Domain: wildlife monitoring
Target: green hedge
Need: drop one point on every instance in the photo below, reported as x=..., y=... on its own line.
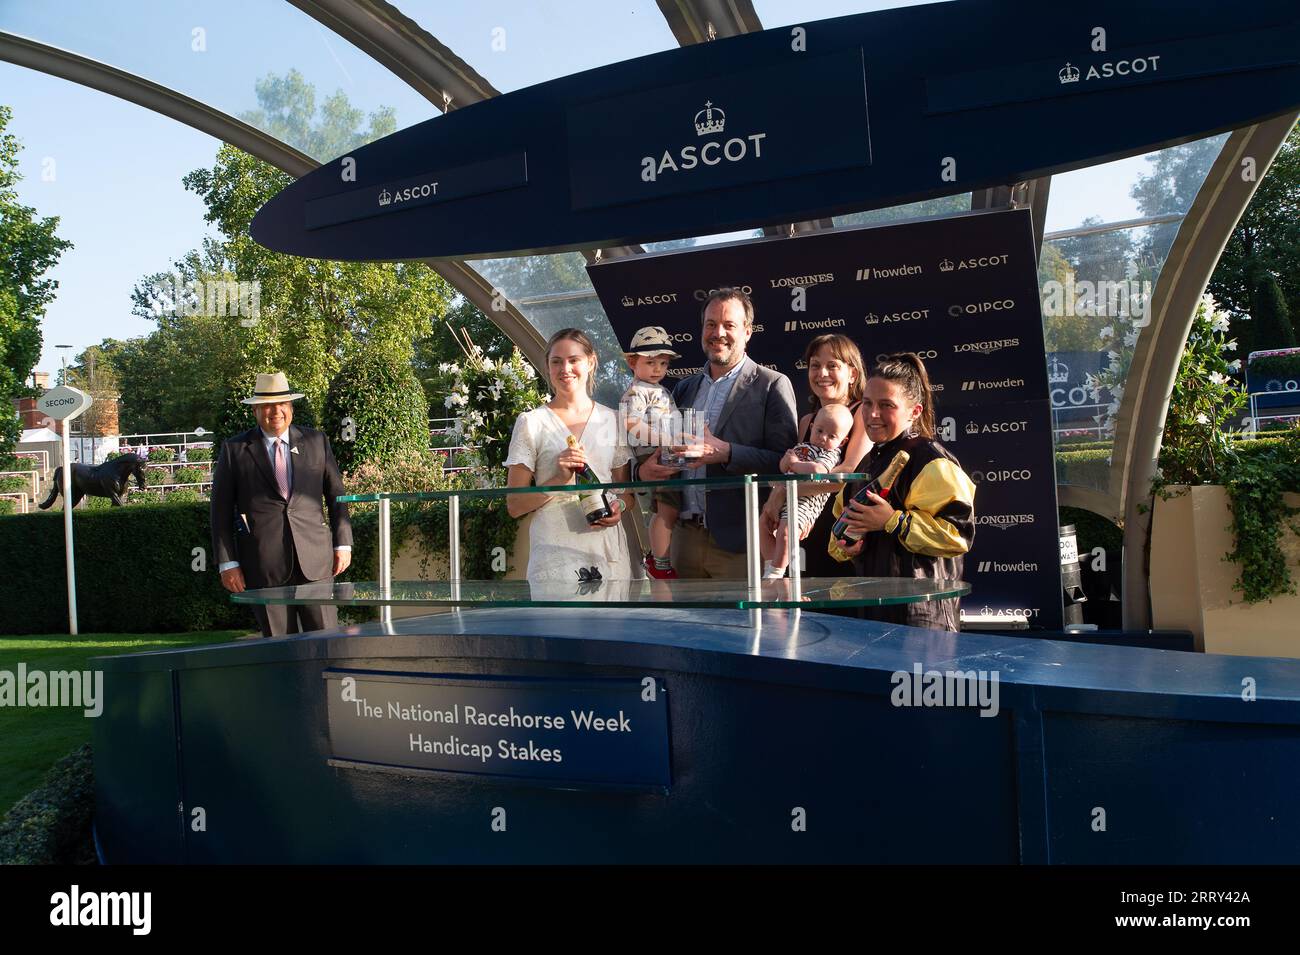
x=52, y=825
x=134, y=572
x=134, y=564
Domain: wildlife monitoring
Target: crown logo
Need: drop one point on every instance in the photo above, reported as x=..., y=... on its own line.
x=946, y=266
x=972, y=428
x=628, y=301
x=709, y=120
x=1058, y=372
x=801, y=364
x=1069, y=74
x=385, y=198
x=872, y=319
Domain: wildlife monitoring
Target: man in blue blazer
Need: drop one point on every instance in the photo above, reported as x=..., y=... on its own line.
x=749, y=411
x=268, y=525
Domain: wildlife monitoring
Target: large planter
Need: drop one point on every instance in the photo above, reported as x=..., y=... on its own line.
x=1192, y=583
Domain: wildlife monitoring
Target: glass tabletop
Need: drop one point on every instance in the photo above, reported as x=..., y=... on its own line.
x=817, y=592
x=713, y=483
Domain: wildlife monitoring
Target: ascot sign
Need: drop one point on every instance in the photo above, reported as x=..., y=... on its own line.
x=63, y=403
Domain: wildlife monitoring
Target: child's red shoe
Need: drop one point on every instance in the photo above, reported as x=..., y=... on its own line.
x=655, y=572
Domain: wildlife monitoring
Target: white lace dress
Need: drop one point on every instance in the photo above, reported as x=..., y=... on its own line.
x=560, y=539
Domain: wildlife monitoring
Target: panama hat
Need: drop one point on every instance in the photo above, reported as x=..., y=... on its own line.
x=271, y=389
x=650, y=341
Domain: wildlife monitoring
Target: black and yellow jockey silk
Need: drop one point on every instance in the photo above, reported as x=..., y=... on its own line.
x=932, y=528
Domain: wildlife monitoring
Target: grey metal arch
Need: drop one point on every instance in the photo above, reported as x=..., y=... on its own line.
x=135, y=89
x=1205, y=230
x=408, y=50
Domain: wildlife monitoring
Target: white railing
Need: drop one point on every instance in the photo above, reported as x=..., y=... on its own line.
x=33, y=474
x=1077, y=427
x=42, y=456
x=164, y=488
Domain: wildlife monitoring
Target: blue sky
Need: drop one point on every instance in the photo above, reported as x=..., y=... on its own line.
x=112, y=171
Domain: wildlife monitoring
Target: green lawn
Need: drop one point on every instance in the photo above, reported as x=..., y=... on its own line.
x=33, y=739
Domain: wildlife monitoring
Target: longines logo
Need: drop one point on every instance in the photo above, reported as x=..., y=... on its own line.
x=975, y=262
x=629, y=301
x=1139, y=64
x=709, y=121
x=1003, y=521
x=979, y=385
x=422, y=191
x=891, y=273
x=797, y=325
x=803, y=281
x=701, y=294
x=1020, y=567
x=680, y=372
x=977, y=308
x=997, y=477
x=986, y=347
x=996, y=427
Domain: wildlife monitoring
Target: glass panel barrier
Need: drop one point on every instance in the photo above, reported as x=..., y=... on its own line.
x=817, y=593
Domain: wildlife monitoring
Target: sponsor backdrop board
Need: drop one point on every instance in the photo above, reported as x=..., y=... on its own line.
x=962, y=291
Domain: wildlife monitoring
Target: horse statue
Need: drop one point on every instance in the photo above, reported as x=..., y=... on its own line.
x=105, y=480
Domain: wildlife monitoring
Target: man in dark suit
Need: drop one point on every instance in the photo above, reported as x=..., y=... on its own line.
x=748, y=414
x=268, y=529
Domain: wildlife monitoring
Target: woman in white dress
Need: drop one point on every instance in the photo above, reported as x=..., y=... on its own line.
x=561, y=542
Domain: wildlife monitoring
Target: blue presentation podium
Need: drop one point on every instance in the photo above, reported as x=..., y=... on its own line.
x=811, y=738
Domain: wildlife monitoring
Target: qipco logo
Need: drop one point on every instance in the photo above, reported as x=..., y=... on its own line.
x=679, y=337
x=997, y=477
x=701, y=294
x=927, y=355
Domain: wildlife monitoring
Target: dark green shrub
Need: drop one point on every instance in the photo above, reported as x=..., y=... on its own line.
x=15, y=485
x=375, y=409
x=135, y=572
x=189, y=476
x=1270, y=318
x=196, y=455
x=51, y=825
x=8, y=506
x=162, y=455
x=154, y=477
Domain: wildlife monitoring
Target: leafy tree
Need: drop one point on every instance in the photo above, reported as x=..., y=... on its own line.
x=311, y=316
x=29, y=248
x=1267, y=236
x=1176, y=175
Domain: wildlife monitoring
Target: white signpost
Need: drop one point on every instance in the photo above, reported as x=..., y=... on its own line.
x=63, y=404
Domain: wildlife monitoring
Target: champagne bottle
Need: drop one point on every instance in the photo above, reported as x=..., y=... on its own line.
x=596, y=505
x=878, y=485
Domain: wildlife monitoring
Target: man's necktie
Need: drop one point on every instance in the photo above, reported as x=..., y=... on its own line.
x=281, y=468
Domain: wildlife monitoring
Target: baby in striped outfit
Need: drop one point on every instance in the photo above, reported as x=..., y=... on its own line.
x=825, y=447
